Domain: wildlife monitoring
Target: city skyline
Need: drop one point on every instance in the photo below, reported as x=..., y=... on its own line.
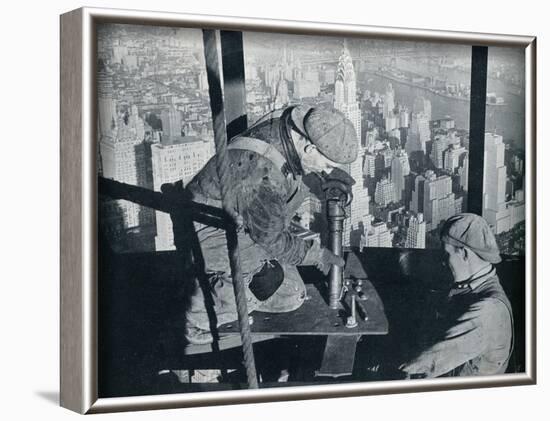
x=412, y=171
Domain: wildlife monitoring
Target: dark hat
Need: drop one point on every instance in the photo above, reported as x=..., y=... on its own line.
x=329, y=130
x=472, y=231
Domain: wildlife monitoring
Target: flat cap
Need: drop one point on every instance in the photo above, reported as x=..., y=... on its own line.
x=329, y=130
x=472, y=231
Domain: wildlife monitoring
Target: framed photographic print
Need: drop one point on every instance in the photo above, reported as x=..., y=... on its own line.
x=257, y=210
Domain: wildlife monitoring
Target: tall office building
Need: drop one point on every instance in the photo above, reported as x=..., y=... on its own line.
x=345, y=100
x=387, y=154
x=369, y=165
x=424, y=106
x=494, y=172
x=433, y=197
x=384, y=193
x=377, y=234
x=400, y=168
x=175, y=158
x=391, y=122
x=106, y=104
x=389, y=102
x=438, y=147
x=171, y=122
x=499, y=213
x=463, y=172
x=345, y=95
x=453, y=157
x=419, y=133
x=404, y=119
x=416, y=232
x=124, y=159
x=370, y=139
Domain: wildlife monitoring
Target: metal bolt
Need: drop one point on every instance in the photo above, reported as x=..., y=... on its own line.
x=352, y=319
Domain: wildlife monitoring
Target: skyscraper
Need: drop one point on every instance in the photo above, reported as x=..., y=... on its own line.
x=345, y=100
x=453, y=157
x=345, y=95
x=377, y=234
x=424, y=106
x=369, y=165
x=433, y=197
x=403, y=116
x=438, y=147
x=171, y=122
x=463, y=172
x=501, y=215
x=416, y=232
x=400, y=168
x=384, y=193
x=494, y=173
x=106, y=104
x=124, y=159
x=370, y=139
x=175, y=158
x=419, y=133
x=391, y=122
x=389, y=102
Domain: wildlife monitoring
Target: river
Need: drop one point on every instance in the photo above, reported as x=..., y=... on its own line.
x=507, y=120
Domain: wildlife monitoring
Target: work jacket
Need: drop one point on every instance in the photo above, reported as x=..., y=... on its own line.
x=261, y=189
x=474, y=336
x=266, y=194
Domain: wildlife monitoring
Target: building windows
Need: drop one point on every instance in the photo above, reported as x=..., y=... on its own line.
x=410, y=103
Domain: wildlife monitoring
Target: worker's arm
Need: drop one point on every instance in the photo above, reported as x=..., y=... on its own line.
x=465, y=338
x=263, y=209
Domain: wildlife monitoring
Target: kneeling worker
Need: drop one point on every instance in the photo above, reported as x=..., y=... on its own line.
x=475, y=335
x=266, y=166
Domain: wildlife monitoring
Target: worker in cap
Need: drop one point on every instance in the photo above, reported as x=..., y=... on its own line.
x=474, y=335
x=329, y=130
x=267, y=166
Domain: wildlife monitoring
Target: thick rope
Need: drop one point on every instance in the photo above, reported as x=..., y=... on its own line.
x=222, y=167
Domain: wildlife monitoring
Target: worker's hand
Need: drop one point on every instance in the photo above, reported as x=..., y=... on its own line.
x=327, y=259
x=338, y=181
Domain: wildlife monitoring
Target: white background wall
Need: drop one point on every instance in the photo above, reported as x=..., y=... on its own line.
x=29, y=208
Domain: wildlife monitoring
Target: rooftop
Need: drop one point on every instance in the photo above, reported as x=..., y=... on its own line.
x=178, y=140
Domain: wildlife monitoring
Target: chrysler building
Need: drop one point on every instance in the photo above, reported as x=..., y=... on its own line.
x=345, y=100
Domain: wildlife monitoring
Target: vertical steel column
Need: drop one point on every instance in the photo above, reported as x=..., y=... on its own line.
x=234, y=82
x=478, y=98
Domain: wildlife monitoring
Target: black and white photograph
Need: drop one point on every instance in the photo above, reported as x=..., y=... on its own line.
x=254, y=210
x=282, y=210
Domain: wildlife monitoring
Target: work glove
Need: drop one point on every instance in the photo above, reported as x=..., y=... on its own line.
x=338, y=179
x=338, y=174
x=327, y=259
x=321, y=257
